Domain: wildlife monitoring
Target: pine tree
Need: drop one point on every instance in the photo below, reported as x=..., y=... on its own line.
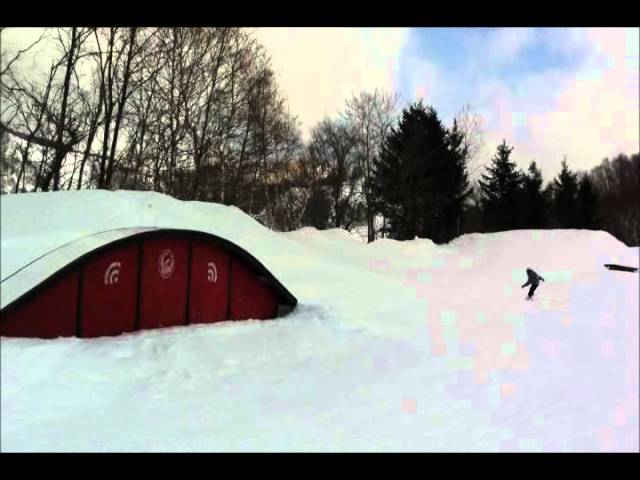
x=385, y=182
x=501, y=187
x=535, y=202
x=588, y=204
x=419, y=177
x=565, y=187
x=456, y=183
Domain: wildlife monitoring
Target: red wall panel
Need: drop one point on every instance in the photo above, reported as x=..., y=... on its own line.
x=208, y=300
x=51, y=313
x=109, y=292
x=251, y=296
x=152, y=282
x=163, y=289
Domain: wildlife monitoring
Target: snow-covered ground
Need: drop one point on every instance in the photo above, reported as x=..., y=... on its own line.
x=394, y=346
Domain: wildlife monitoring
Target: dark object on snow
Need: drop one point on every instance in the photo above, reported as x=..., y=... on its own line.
x=533, y=279
x=622, y=268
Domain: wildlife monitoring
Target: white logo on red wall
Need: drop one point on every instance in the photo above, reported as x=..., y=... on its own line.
x=212, y=272
x=112, y=273
x=166, y=264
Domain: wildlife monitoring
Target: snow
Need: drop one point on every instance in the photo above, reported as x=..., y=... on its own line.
x=394, y=346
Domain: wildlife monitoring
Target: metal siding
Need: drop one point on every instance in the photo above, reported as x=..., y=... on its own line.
x=209, y=274
x=251, y=296
x=208, y=282
x=49, y=314
x=109, y=292
x=163, y=300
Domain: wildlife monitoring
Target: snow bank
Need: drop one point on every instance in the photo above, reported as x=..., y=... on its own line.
x=394, y=346
x=36, y=223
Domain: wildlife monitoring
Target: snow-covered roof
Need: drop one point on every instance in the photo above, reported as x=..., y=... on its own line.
x=43, y=232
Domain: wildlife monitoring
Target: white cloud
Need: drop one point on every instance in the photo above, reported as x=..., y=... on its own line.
x=426, y=81
x=566, y=41
x=588, y=113
x=595, y=111
x=505, y=44
x=319, y=68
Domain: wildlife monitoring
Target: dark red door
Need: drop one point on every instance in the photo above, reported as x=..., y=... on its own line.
x=208, y=299
x=109, y=292
x=51, y=313
x=251, y=296
x=163, y=292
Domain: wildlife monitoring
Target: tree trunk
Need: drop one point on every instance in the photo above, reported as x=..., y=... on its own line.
x=108, y=101
x=93, y=129
x=61, y=149
x=371, y=233
x=121, y=103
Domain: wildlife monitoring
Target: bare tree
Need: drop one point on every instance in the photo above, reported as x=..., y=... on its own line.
x=30, y=105
x=64, y=124
x=9, y=164
x=8, y=60
x=193, y=112
x=122, y=56
x=140, y=122
x=471, y=126
x=94, y=107
x=370, y=116
x=332, y=145
x=49, y=116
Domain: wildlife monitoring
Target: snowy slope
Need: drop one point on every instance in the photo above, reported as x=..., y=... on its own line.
x=394, y=346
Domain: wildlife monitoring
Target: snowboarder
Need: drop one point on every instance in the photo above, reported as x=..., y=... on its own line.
x=533, y=279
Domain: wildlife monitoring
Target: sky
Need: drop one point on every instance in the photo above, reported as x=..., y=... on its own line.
x=549, y=92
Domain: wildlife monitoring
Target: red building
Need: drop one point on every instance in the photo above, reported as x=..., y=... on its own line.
x=150, y=279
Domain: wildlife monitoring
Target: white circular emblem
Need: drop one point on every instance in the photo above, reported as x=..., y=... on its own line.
x=166, y=264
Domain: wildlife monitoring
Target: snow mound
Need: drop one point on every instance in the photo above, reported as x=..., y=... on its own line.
x=394, y=346
x=34, y=224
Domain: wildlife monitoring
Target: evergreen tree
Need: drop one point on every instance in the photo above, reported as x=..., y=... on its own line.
x=588, y=204
x=318, y=210
x=565, y=188
x=535, y=201
x=457, y=188
x=420, y=179
x=501, y=188
x=385, y=182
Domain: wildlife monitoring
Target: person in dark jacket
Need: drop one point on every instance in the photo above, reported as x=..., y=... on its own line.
x=533, y=279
